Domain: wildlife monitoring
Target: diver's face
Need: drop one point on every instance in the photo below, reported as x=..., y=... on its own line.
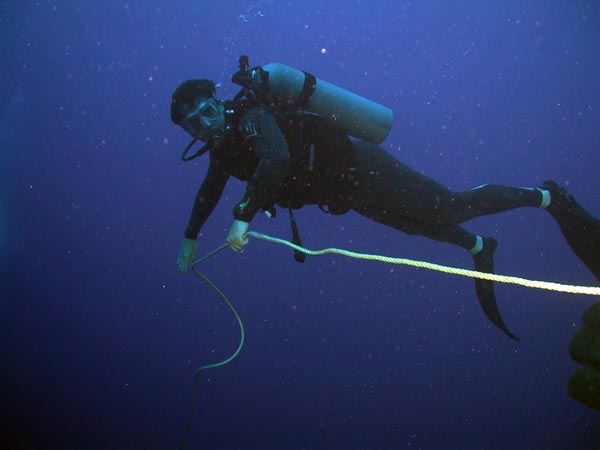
x=205, y=119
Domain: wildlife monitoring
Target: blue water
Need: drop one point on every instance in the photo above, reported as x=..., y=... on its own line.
x=100, y=333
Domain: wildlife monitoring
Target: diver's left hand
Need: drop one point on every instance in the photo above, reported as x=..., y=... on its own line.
x=237, y=235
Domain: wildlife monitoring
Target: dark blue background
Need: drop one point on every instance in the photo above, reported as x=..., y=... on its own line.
x=101, y=335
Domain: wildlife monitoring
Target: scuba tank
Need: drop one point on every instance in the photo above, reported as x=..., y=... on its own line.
x=286, y=88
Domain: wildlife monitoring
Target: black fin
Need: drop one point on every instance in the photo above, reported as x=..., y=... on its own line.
x=484, y=262
x=580, y=229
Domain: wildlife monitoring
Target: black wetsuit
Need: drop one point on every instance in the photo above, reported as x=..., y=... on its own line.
x=297, y=160
x=391, y=193
x=300, y=160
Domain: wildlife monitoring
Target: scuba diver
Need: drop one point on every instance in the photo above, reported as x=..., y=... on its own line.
x=291, y=158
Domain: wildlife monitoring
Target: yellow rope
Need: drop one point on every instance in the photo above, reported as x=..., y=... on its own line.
x=588, y=290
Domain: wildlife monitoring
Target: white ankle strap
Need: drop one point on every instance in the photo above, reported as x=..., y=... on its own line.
x=478, y=245
x=545, y=198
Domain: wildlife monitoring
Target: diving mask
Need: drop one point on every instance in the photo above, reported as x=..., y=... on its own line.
x=205, y=120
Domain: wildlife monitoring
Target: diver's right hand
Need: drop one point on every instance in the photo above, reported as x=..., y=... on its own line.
x=187, y=254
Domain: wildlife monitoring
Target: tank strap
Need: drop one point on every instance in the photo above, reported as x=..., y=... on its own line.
x=298, y=255
x=308, y=89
